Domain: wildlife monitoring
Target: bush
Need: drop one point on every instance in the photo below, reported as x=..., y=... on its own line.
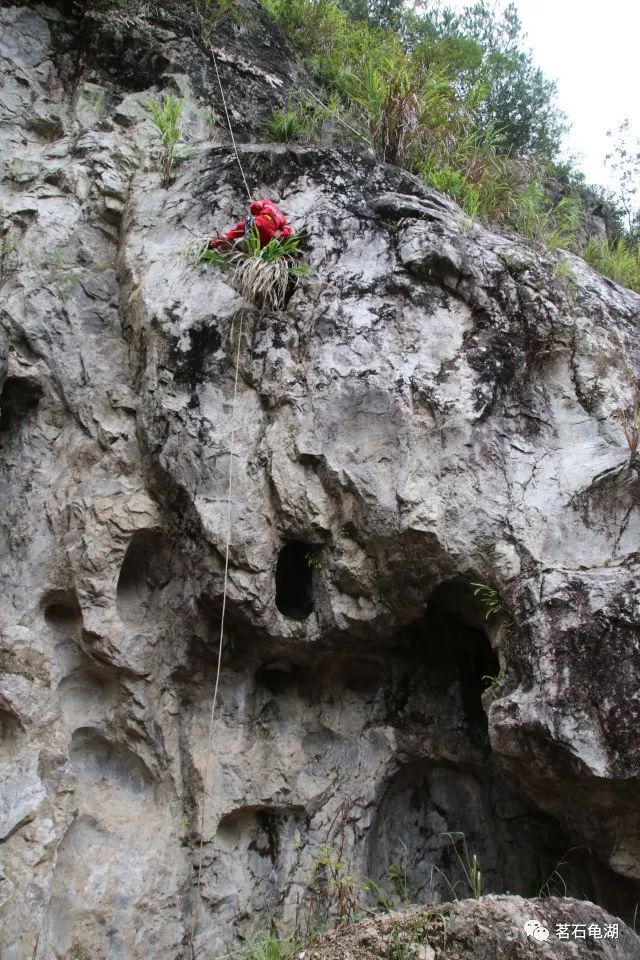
x=420, y=101
x=209, y=14
x=455, y=98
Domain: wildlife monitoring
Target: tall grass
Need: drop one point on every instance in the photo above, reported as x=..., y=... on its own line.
x=165, y=117
x=267, y=947
x=619, y=260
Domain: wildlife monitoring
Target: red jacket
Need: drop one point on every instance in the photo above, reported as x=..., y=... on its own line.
x=268, y=221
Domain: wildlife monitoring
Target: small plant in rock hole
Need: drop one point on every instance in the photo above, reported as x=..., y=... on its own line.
x=496, y=679
x=493, y=605
x=314, y=560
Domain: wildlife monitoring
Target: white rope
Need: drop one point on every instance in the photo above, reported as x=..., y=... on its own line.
x=226, y=111
x=221, y=638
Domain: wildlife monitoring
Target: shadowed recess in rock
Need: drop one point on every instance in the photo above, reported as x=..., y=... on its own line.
x=294, y=580
x=18, y=398
x=10, y=733
x=62, y=612
x=100, y=760
x=255, y=847
x=434, y=818
x=146, y=568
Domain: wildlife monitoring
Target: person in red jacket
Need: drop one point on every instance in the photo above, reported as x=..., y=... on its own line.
x=265, y=217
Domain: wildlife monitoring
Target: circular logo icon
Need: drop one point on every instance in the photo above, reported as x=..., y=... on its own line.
x=533, y=928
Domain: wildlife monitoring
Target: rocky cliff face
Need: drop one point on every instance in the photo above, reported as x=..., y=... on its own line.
x=434, y=409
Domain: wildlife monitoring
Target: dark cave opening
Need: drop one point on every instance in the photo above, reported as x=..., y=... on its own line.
x=19, y=397
x=294, y=580
x=456, y=619
x=62, y=611
x=436, y=816
x=146, y=568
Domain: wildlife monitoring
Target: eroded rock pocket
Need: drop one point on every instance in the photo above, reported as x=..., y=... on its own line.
x=294, y=580
x=146, y=569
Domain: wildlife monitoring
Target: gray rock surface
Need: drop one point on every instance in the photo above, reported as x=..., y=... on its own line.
x=435, y=408
x=496, y=928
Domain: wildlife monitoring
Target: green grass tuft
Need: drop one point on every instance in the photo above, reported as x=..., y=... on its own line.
x=165, y=117
x=620, y=260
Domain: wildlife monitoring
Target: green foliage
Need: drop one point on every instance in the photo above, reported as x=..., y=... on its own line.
x=470, y=867
x=267, y=947
x=95, y=99
x=209, y=14
x=165, y=116
x=314, y=560
x=487, y=46
x=421, y=94
x=301, y=123
x=492, y=602
x=456, y=98
x=564, y=272
x=619, y=260
x=211, y=121
x=497, y=679
x=398, y=878
x=534, y=216
x=378, y=13
x=336, y=885
x=401, y=947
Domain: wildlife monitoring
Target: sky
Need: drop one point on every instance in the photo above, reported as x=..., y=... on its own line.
x=590, y=48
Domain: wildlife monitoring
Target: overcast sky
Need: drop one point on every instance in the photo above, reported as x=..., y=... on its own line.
x=591, y=49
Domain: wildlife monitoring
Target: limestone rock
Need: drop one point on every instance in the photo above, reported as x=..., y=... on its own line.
x=431, y=648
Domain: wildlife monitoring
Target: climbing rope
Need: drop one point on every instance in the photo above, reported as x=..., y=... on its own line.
x=230, y=128
x=221, y=638
x=214, y=700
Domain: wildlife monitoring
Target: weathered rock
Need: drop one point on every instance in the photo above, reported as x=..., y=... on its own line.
x=495, y=928
x=433, y=409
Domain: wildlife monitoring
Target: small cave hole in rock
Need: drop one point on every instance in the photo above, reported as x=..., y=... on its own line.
x=19, y=397
x=62, y=612
x=279, y=676
x=463, y=649
x=10, y=733
x=146, y=568
x=294, y=580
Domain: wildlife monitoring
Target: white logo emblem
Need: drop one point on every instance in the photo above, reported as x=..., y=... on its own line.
x=534, y=929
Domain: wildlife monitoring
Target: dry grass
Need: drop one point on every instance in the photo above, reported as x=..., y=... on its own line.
x=262, y=282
